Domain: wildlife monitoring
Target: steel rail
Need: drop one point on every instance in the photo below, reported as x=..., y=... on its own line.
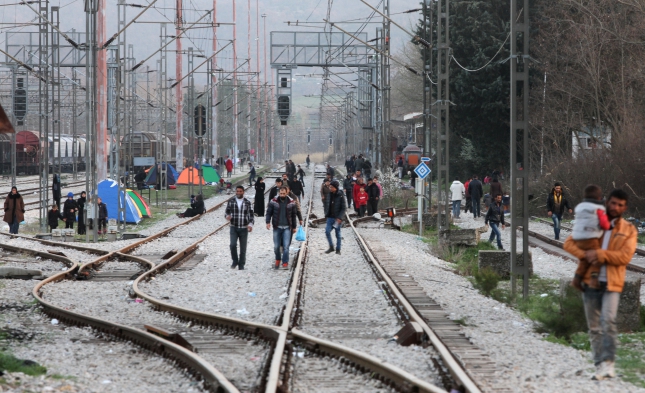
x=455, y=368
x=213, y=379
x=559, y=244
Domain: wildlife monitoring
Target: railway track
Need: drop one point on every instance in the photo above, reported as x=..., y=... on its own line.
x=552, y=246
x=179, y=331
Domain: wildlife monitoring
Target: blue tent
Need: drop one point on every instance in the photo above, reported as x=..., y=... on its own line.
x=152, y=175
x=108, y=191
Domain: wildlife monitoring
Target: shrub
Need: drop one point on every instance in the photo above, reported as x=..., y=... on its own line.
x=560, y=315
x=486, y=280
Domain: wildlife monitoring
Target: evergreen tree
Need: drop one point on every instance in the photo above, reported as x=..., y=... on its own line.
x=479, y=120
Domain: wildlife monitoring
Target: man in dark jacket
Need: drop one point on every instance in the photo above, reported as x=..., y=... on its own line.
x=495, y=216
x=495, y=188
x=373, y=194
x=335, y=215
x=239, y=212
x=556, y=203
x=475, y=190
x=281, y=213
x=367, y=168
x=56, y=191
x=358, y=164
x=273, y=192
x=347, y=186
x=324, y=195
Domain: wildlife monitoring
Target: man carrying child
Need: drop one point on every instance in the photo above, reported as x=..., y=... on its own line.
x=615, y=249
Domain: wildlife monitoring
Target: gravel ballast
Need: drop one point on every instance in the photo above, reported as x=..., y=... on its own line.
x=526, y=362
x=255, y=294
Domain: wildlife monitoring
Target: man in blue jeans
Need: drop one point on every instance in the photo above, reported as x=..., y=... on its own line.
x=335, y=214
x=556, y=203
x=282, y=213
x=495, y=216
x=239, y=213
x=476, y=192
x=618, y=245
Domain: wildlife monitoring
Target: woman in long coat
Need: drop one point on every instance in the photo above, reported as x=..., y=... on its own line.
x=14, y=210
x=258, y=206
x=81, y=214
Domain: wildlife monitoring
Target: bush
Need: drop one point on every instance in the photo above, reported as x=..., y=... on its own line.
x=486, y=280
x=10, y=363
x=560, y=315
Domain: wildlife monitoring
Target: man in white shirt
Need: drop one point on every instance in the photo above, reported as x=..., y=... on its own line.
x=457, y=190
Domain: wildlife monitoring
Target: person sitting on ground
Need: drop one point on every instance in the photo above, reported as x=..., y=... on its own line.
x=53, y=216
x=361, y=201
x=196, y=208
x=589, y=226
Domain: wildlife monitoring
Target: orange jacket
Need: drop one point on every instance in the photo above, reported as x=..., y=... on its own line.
x=616, y=257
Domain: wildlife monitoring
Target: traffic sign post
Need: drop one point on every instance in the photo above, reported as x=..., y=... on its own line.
x=422, y=171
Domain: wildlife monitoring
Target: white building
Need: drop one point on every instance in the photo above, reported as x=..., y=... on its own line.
x=589, y=139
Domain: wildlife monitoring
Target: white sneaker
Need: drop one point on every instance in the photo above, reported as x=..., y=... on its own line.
x=599, y=375
x=609, y=371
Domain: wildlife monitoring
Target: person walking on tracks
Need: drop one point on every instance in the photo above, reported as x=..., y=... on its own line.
x=374, y=194
x=239, y=213
x=258, y=202
x=281, y=213
x=476, y=192
x=273, y=192
x=457, y=190
x=324, y=194
x=252, y=173
x=618, y=245
x=308, y=160
x=495, y=216
x=69, y=210
x=14, y=210
x=556, y=203
x=335, y=214
x=229, y=166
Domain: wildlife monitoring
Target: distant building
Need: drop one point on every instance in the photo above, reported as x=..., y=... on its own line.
x=589, y=139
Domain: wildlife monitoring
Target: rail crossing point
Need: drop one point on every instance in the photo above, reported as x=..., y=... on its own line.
x=422, y=170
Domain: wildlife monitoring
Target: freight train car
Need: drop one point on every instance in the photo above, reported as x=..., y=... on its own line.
x=64, y=153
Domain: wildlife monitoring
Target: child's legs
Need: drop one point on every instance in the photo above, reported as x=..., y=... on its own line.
x=583, y=265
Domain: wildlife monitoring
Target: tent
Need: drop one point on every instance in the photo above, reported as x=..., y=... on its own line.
x=143, y=207
x=210, y=174
x=189, y=175
x=152, y=175
x=108, y=191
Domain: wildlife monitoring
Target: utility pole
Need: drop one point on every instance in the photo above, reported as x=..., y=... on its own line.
x=43, y=110
x=427, y=88
x=179, y=156
x=191, y=121
x=443, y=113
x=93, y=153
x=520, y=142
x=257, y=60
x=101, y=90
x=213, y=107
x=383, y=138
x=267, y=140
x=248, y=84
x=235, y=87
x=162, y=165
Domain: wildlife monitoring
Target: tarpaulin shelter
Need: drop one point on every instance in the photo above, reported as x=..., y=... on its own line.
x=143, y=207
x=210, y=174
x=152, y=175
x=109, y=191
x=188, y=176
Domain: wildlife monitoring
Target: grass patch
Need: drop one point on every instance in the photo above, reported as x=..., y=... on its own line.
x=10, y=363
x=630, y=358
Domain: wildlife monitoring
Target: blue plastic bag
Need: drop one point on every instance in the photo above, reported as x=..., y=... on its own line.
x=300, y=234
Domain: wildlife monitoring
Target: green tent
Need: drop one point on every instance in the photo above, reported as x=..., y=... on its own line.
x=210, y=174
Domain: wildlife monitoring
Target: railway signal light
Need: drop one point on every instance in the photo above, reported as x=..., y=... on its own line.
x=200, y=120
x=20, y=101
